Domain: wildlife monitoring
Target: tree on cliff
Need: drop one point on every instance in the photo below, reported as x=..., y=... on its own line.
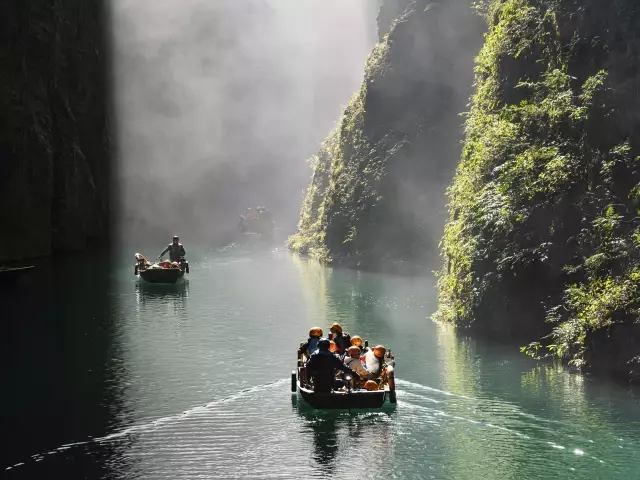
x=376, y=191
x=543, y=236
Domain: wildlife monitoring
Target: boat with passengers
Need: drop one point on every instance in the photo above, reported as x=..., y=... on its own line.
x=256, y=221
x=371, y=391
x=160, y=272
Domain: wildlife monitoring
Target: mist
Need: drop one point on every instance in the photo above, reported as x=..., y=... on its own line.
x=219, y=103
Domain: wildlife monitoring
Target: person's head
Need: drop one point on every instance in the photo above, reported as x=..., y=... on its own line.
x=315, y=332
x=332, y=346
x=323, y=344
x=379, y=351
x=353, y=351
x=336, y=329
x=356, y=341
x=176, y=239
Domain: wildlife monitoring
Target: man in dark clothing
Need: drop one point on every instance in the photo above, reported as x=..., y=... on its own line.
x=322, y=366
x=175, y=249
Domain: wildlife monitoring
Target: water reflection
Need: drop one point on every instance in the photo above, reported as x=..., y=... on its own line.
x=193, y=382
x=145, y=290
x=347, y=441
x=366, y=304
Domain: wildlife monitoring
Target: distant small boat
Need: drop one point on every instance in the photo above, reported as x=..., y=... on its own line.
x=12, y=274
x=161, y=272
x=257, y=221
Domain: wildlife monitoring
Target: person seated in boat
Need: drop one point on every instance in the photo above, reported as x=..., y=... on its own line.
x=374, y=360
x=315, y=334
x=356, y=341
x=175, y=249
x=343, y=340
x=352, y=360
x=322, y=366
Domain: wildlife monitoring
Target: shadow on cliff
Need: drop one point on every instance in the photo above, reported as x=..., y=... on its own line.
x=56, y=139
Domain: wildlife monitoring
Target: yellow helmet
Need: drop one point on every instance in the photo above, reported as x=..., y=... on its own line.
x=371, y=385
x=379, y=351
x=315, y=332
x=356, y=340
x=332, y=346
x=353, y=351
x=337, y=327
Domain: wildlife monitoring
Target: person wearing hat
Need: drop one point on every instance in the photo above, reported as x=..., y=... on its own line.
x=343, y=340
x=311, y=345
x=374, y=360
x=352, y=360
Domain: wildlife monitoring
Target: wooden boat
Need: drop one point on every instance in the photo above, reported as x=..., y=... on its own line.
x=257, y=221
x=160, y=272
x=346, y=398
x=9, y=275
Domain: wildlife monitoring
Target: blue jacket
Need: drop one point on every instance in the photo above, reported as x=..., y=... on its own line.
x=309, y=347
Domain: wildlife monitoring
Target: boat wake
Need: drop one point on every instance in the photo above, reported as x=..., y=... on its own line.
x=156, y=424
x=445, y=409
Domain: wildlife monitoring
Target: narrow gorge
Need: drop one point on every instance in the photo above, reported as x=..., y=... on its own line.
x=542, y=237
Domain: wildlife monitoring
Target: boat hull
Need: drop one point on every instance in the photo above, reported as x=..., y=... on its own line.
x=361, y=399
x=10, y=275
x=161, y=275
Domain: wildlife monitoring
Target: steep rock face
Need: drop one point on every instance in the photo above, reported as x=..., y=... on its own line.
x=388, y=12
x=543, y=235
x=375, y=194
x=54, y=132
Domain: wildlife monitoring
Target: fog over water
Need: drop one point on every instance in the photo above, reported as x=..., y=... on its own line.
x=219, y=103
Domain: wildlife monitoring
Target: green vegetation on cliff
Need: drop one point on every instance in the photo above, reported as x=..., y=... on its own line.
x=376, y=191
x=544, y=231
x=54, y=131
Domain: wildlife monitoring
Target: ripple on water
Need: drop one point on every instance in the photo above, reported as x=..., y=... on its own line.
x=195, y=389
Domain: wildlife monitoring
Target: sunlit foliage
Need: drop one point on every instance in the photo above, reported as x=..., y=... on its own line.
x=543, y=226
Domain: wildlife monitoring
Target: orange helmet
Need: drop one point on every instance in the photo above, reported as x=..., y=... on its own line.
x=379, y=351
x=356, y=340
x=315, y=332
x=332, y=346
x=371, y=385
x=337, y=327
x=354, y=351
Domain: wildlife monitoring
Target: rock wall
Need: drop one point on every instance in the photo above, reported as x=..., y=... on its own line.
x=543, y=236
x=376, y=195
x=55, y=153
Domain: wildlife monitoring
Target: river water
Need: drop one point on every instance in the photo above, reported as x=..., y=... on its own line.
x=104, y=377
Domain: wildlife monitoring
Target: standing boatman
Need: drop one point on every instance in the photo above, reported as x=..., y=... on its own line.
x=175, y=249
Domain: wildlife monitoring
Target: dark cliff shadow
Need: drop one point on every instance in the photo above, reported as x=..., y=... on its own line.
x=58, y=383
x=56, y=144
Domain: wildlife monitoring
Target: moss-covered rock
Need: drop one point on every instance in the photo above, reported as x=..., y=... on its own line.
x=542, y=239
x=54, y=132
x=376, y=193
